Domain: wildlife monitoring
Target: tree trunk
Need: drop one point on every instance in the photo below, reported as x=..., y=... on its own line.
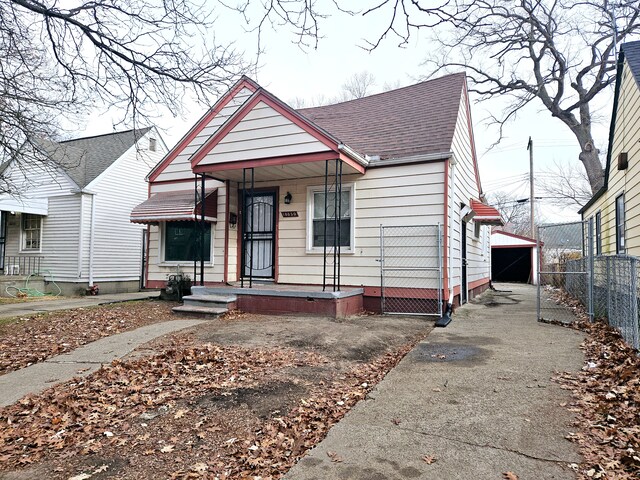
x=589, y=155
x=590, y=158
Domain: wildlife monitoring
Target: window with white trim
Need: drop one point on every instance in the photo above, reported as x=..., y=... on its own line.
x=598, y=233
x=620, y=229
x=31, y=231
x=341, y=229
x=181, y=241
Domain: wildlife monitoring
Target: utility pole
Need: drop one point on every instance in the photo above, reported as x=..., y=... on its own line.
x=531, y=197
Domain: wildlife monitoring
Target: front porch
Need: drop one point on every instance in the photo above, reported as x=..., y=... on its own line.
x=276, y=299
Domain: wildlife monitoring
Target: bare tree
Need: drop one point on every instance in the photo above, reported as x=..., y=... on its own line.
x=558, y=53
x=514, y=211
x=61, y=60
x=564, y=185
x=359, y=85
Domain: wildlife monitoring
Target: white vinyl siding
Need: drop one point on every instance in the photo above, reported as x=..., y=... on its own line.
x=117, y=243
x=263, y=133
x=466, y=187
x=180, y=167
x=395, y=196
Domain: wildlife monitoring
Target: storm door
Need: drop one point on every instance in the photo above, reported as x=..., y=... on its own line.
x=259, y=234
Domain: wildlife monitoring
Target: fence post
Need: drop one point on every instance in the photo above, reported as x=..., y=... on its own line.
x=608, y=284
x=382, y=268
x=590, y=271
x=539, y=267
x=440, y=272
x=633, y=297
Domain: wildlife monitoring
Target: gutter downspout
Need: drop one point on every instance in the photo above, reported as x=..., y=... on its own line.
x=92, y=237
x=81, y=234
x=446, y=317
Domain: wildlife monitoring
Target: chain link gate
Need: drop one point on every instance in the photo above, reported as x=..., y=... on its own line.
x=565, y=253
x=411, y=269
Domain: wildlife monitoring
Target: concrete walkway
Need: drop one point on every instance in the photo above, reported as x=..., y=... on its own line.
x=81, y=361
x=476, y=396
x=41, y=306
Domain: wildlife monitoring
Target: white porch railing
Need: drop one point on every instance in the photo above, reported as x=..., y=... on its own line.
x=21, y=265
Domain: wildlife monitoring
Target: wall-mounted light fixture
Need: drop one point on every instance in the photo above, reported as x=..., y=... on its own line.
x=233, y=219
x=288, y=198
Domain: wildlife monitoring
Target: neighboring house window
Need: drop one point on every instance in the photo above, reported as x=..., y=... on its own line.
x=31, y=231
x=181, y=242
x=598, y=234
x=620, y=224
x=316, y=218
x=476, y=229
x=152, y=144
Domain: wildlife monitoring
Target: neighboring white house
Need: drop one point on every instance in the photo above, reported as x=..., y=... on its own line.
x=70, y=216
x=403, y=158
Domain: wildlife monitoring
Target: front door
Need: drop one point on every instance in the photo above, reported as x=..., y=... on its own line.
x=259, y=235
x=463, y=280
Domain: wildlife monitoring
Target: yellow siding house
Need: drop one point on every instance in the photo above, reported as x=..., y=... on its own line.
x=615, y=208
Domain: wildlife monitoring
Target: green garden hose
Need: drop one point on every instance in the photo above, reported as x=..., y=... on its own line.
x=33, y=292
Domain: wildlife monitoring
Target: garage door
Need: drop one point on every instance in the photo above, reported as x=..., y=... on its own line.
x=511, y=264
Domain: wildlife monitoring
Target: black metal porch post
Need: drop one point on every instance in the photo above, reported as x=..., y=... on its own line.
x=243, y=242
x=324, y=265
x=339, y=214
x=251, y=231
x=203, y=197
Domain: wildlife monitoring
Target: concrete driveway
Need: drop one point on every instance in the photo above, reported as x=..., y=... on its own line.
x=473, y=401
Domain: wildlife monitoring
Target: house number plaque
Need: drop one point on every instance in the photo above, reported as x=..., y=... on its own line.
x=289, y=214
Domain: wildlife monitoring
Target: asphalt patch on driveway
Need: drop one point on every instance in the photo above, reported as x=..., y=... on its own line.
x=447, y=352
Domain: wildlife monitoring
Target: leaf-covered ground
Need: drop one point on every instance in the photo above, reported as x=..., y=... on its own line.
x=36, y=338
x=606, y=401
x=195, y=409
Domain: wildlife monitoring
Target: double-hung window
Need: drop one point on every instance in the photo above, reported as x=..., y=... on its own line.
x=182, y=241
x=620, y=244
x=31, y=232
x=598, y=233
x=335, y=218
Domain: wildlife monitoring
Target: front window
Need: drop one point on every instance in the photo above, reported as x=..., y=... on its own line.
x=31, y=231
x=338, y=228
x=598, y=234
x=182, y=241
x=620, y=245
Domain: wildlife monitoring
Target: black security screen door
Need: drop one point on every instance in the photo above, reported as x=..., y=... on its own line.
x=259, y=235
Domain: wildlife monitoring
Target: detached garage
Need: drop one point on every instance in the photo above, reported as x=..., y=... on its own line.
x=514, y=258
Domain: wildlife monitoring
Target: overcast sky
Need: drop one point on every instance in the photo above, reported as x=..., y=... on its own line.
x=289, y=72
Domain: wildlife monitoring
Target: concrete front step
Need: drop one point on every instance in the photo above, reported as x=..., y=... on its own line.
x=199, y=312
x=213, y=301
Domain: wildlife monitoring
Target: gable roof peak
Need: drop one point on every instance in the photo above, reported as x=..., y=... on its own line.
x=84, y=159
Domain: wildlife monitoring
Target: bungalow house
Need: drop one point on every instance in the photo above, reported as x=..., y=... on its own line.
x=615, y=208
x=374, y=202
x=68, y=211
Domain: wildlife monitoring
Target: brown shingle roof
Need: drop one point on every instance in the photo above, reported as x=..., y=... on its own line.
x=415, y=120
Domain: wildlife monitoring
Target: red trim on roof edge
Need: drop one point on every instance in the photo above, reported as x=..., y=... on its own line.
x=521, y=237
x=271, y=161
x=244, y=82
x=472, y=139
x=283, y=109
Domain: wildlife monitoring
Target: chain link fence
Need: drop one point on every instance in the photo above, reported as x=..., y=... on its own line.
x=411, y=269
x=571, y=275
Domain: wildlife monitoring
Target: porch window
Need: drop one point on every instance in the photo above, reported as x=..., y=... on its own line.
x=317, y=215
x=181, y=241
x=620, y=224
x=31, y=231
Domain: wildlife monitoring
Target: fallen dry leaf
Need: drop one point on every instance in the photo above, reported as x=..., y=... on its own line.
x=509, y=476
x=429, y=459
x=167, y=448
x=334, y=457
